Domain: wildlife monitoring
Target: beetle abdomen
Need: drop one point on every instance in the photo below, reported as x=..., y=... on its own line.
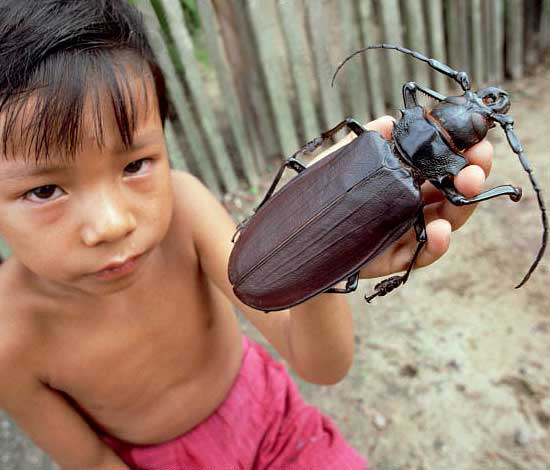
x=309, y=234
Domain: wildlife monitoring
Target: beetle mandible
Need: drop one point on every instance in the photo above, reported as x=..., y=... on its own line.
x=344, y=210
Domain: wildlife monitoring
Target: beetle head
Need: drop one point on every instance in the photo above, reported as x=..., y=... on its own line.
x=495, y=99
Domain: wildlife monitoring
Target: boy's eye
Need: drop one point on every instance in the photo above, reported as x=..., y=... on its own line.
x=44, y=193
x=139, y=166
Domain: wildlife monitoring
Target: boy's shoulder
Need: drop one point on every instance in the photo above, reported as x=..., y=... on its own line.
x=17, y=330
x=187, y=188
x=192, y=200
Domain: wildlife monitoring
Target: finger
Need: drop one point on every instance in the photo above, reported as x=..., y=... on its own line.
x=481, y=155
x=383, y=126
x=438, y=233
x=439, y=237
x=470, y=183
x=399, y=256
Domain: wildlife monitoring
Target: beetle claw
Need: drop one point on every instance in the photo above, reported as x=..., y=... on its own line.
x=385, y=287
x=239, y=228
x=516, y=197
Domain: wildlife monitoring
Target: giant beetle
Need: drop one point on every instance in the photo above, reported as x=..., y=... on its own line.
x=344, y=210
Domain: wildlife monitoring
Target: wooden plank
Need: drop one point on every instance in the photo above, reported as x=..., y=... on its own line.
x=374, y=80
x=392, y=30
x=174, y=150
x=300, y=61
x=177, y=96
x=264, y=27
x=531, y=26
x=229, y=94
x=353, y=82
x=514, y=38
x=489, y=44
x=331, y=104
x=451, y=26
x=240, y=45
x=436, y=38
x=545, y=26
x=478, y=64
x=464, y=36
x=498, y=38
x=414, y=19
x=184, y=46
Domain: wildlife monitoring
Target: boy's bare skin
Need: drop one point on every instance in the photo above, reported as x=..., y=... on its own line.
x=146, y=356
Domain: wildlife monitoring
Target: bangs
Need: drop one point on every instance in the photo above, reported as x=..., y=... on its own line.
x=67, y=97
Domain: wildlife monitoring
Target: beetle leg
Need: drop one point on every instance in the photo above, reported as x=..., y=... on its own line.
x=507, y=124
x=293, y=163
x=391, y=283
x=296, y=165
x=458, y=199
x=351, y=286
x=409, y=94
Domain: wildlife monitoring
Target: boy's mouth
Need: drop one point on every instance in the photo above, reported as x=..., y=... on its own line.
x=118, y=268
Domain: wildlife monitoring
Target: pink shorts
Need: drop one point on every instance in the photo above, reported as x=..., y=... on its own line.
x=263, y=424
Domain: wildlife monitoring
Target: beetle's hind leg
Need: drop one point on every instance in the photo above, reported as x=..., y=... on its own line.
x=391, y=283
x=351, y=285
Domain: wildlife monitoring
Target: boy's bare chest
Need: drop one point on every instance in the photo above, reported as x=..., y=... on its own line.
x=160, y=347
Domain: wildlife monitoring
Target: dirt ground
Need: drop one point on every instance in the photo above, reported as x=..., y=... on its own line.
x=452, y=371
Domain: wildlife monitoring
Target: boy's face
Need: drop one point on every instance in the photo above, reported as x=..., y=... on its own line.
x=78, y=225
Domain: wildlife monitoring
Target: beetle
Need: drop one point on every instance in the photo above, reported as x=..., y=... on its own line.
x=340, y=213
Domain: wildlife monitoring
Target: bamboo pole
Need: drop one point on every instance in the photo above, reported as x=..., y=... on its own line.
x=436, y=39
x=374, y=80
x=174, y=150
x=184, y=46
x=177, y=95
x=498, y=38
x=478, y=65
x=330, y=98
x=514, y=38
x=264, y=27
x=353, y=83
x=416, y=39
x=229, y=94
x=545, y=26
x=392, y=24
x=242, y=54
x=295, y=38
x=464, y=37
x=489, y=45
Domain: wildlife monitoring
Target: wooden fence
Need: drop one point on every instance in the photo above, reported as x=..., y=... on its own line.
x=253, y=82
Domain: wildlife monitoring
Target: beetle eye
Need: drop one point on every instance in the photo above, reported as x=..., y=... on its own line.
x=489, y=99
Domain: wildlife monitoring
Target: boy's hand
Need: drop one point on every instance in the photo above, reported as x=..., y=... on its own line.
x=441, y=216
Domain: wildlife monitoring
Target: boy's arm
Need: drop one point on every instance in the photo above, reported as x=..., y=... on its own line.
x=315, y=338
x=48, y=419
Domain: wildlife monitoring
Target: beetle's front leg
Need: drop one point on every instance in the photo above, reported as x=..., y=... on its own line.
x=458, y=199
x=409, y=94
x=391, y=283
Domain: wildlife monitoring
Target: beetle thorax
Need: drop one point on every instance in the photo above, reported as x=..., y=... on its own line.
x=423, y=146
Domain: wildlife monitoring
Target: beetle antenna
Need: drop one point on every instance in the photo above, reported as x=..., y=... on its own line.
x=460, y=77
x=507, y=124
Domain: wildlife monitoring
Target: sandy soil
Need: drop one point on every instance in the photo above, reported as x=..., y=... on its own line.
x=452, y=371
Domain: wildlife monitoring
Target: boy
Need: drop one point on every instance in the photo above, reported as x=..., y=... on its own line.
x=119, y=347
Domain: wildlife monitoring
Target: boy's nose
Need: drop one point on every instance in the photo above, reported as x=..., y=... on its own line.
x=109, y=220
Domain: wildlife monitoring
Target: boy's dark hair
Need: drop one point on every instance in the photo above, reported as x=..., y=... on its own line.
x=57, y=53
